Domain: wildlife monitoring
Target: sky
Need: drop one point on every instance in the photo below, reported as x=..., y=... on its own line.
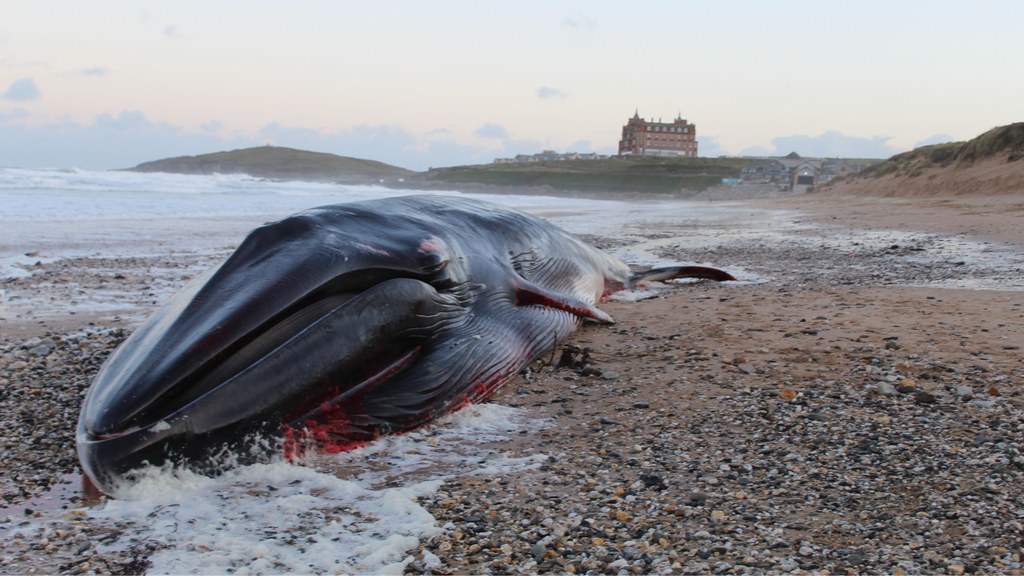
x=418, y=84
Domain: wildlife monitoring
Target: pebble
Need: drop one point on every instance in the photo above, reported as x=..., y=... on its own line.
x=924, y=397
x=43, y=348
x=44, y=380
x=886, y=389
x=746, y=368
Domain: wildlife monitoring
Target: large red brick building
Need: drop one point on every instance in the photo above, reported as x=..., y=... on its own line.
x=643, y=138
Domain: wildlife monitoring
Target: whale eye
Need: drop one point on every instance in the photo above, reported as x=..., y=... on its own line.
x=433, y=255
x=433, y=262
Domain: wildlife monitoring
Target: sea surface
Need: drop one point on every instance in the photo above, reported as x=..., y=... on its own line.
x=65, y=213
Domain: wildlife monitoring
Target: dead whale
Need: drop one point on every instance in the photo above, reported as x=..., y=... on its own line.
x=342, y=323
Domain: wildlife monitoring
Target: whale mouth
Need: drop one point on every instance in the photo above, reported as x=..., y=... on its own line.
x=242, y=348
x=239, y=355
x=112, y=436
x=174, y=386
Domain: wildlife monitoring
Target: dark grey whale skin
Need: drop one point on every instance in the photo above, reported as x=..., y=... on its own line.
x=342, y=323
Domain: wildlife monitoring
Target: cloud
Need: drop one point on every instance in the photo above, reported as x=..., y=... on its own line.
x=384, y=143
x=491, y=130
x=446, y=153
x=22, y=90
x=14, y=114
x=171, y=31
x=510, y=148
x=834, y=144
x=394, y=145
x=111, y=141
x=129, y=137
x=126, y=120
x=936, y=139
x=547, y=93
x=381, y=142
x=757, y=151
x=587, y=147
x=709, y=146
x=212, y=127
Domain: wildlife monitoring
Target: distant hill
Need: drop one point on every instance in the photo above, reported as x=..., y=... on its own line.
x=991, y=164
x=279, y=163
x=640, y=174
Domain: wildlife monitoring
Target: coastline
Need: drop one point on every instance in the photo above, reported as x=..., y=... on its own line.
x=846, y=414
x=997, y=218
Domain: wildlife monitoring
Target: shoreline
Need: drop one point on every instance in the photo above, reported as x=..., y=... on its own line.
x=995, y=218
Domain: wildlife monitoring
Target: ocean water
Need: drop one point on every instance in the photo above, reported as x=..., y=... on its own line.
x=52, y=214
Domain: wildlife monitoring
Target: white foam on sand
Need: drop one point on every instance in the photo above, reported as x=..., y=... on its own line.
x=19, y=265
x=356, y=512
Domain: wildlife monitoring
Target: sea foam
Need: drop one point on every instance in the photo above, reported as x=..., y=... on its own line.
x=355, y=512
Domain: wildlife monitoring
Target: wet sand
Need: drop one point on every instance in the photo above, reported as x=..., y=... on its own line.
x=850, y=413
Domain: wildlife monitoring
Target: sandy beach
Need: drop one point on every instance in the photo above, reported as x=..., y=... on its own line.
x=859, y=411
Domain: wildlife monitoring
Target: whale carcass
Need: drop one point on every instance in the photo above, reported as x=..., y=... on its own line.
x=345, y=322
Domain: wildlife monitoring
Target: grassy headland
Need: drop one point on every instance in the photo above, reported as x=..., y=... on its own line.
x=280, y=163
x=990, y=164
x=642, y=174
x=1004, y=141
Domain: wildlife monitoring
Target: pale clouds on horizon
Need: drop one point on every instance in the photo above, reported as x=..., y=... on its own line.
x=129, y=138
x=22, y=90
x=448, y=83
